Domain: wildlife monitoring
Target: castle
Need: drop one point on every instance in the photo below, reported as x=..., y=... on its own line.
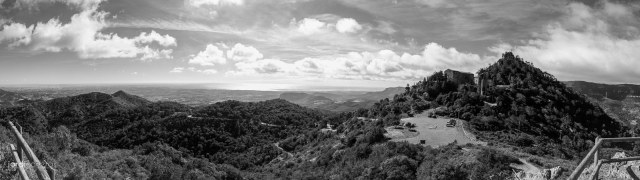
x=459, y=77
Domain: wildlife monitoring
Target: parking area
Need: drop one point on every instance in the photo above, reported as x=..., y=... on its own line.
x=432, y=131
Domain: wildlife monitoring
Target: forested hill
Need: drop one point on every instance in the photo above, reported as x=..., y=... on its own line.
x=537, y=104
x=38, y=116
x=237, y=133
x=8, y=98
x=612, y=91
x=524, y=106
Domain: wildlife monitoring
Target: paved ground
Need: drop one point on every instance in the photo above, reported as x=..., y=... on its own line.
x=433, y=130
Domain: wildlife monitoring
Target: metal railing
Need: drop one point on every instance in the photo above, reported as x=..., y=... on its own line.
x=598, y=161
x=43, y=173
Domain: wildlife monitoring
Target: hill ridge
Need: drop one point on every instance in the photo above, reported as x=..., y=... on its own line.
x=533, y=109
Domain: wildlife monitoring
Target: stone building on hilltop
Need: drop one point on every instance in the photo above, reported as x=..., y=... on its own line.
x=459, y=77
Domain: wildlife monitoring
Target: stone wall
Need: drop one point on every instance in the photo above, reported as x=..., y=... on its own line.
x=459, y=77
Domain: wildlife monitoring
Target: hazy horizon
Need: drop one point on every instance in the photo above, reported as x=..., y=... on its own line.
x=209, y=86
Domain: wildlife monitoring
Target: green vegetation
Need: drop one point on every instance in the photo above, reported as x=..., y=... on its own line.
x=532, y=109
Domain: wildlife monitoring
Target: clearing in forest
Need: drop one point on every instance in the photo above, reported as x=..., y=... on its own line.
x=433, y=131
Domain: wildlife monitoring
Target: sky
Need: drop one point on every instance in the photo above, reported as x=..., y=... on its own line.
x=279, y=44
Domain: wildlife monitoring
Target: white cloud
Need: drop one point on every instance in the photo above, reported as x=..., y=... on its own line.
x=263, y=66
x=198, y=3
x=14, y=32
x=309, y=26
x=148, y=53
x=207, y=71
x=82, y=35
x=381, y=65
x=165, y=40
x=588, y=44
x=348, y=25
x=33, y=4
x=240, y=52
x=210, y=56
x=177, y=70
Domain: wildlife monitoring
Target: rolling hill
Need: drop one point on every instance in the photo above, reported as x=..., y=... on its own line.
x=239, y=133
x=8, y=98
x=598, y=90
x=620, y=101
x=339, y=101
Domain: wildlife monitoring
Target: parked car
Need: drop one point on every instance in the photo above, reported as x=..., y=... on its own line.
x=432, y=115
x=451, y=123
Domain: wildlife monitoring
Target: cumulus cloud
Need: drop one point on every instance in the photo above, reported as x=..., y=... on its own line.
x=14, y=32
x=348, y=25
x=264, y=66
x=326, y=22
x=207, y=71
x=310, y=26
x=177, y=70
x=165, y=40
x=82, y=35
x=596, y=44
x=198, y=3
x=380, y=65
x=149, y=53
x=209, y=57
x=240, y=52
x=33, y=4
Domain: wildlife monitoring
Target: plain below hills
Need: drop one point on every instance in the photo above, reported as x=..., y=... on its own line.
x=340, y=101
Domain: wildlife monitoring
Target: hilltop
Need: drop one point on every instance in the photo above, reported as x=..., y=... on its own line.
x=521, y=106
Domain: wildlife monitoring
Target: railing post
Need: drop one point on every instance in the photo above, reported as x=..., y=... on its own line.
x=596, y=169
x=599, y=161
x=23, y=174
x=596, y=154
x=20, y=152
x=51, y=171
x=596, y=162
x=631, y=173
x=583, y=164
x=40, y=170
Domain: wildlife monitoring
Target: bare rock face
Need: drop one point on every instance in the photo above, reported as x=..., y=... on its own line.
x=544, y=174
